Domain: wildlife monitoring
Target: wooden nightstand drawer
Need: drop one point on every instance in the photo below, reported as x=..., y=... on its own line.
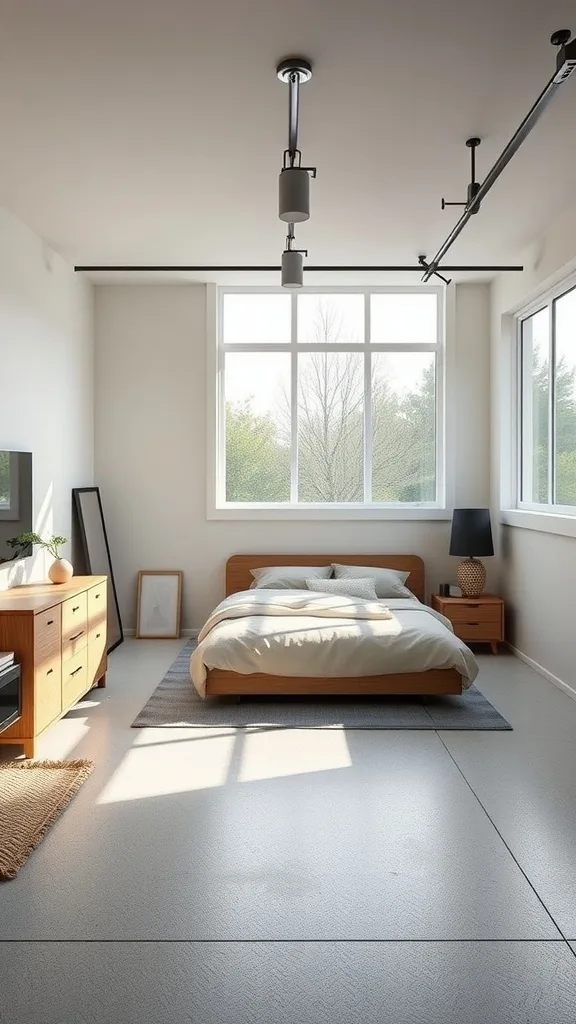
x=473, y=611
x=478, y=630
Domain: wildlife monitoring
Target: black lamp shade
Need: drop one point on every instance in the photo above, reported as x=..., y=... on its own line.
x=471, y=532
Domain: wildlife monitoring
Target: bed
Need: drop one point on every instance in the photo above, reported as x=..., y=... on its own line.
x=213, y=681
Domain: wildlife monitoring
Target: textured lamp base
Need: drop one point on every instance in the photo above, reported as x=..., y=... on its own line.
x=471, y=577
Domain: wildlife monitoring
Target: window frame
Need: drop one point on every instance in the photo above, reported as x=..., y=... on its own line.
x=549, y=509
x=219, y=508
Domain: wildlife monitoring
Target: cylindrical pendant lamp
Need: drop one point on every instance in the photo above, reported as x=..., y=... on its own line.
x=294, y=195
x=292, y=269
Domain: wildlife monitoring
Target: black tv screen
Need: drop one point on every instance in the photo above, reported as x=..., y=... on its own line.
x=15, y=503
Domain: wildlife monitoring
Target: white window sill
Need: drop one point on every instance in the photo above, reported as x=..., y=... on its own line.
x=545, y=522
x=314, y=512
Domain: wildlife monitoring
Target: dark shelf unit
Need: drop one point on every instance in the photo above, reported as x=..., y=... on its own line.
x=10, y=696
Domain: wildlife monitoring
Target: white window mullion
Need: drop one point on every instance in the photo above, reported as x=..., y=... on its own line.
x=294, y=400
x=367, y=404
x=552, y=406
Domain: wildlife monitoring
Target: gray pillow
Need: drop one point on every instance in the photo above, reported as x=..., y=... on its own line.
x=288, y=577
x=363, y=588
x=388, y=582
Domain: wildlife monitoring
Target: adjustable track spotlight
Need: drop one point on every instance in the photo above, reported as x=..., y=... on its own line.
x=292, y=262
x=294, y=182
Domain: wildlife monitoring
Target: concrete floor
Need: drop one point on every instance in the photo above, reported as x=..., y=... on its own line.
x=267, y=876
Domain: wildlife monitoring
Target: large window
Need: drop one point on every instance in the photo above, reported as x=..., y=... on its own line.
x=547, y=455
x=330, y=398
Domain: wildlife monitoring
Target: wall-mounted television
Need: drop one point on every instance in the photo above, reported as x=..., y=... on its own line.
x=15, y=503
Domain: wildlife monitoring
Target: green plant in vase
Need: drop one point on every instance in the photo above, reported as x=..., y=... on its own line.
x=60, y=571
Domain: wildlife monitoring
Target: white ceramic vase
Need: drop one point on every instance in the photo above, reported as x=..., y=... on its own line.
x=60, y=571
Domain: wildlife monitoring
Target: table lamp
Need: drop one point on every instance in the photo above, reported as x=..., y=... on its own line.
x=471, y=535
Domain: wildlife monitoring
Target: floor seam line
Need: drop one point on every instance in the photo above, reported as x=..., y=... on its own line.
x=263, y=942
x=498, y=832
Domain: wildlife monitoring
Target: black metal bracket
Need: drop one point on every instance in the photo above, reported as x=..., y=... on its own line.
x=426, y=266
x=289, y=161
x=473, y=186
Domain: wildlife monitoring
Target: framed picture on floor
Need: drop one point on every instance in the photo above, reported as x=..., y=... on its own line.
x=158, y=604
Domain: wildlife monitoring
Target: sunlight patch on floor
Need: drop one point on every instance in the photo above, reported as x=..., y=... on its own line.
x=180, y=765
x=274, y=753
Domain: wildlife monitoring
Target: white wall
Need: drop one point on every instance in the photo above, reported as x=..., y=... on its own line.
x=538, y=569
x=150, y=431
x=46, y=379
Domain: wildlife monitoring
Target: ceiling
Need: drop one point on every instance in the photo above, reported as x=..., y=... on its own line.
x=152, y=131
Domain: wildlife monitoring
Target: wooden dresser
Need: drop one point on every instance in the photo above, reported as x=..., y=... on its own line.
x=58, y=633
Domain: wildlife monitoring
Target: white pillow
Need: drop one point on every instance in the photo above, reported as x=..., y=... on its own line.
x=388, y=582
x=363, y=588
x=288, y=577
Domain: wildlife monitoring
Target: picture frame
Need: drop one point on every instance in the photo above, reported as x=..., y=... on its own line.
x=92, y=553
x=159, y=604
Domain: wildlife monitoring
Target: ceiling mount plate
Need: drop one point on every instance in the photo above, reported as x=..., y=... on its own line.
x=294, y=65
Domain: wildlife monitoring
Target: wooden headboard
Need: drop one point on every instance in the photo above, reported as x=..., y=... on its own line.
x=238, y=567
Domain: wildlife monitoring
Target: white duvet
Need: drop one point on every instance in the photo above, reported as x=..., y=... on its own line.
x=304, y=633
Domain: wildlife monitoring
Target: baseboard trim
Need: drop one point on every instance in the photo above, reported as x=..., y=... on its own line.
x=570, y=690
x=183, y=632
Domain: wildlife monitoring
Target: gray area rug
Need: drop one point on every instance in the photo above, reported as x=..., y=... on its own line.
x=175, y=704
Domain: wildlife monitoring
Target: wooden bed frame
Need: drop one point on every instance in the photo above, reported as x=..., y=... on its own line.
x=436, y=681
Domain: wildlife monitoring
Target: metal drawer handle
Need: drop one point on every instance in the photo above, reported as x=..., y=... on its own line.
x=76, y=670
x=49, y=672
x=98, y=635
x=76, y=608
x=50, y=622
x=75, y=637
x=96, y=596
x=472, y=623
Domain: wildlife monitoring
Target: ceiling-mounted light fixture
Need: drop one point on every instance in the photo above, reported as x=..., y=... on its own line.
x=292, y=262
x=294, y=183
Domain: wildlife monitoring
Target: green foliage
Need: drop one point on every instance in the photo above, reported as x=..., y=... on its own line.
x=257, y=463
x=4, y=478
x=331, y=439
x=565, y=434
x=51, y=544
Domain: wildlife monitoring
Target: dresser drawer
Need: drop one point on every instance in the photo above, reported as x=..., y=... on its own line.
x=74, y=678
x=97, y=605
x=47, y=692
x=478, y=630
x=47, y=634
x=74, y=625
x=96, y=652
x=473, y=611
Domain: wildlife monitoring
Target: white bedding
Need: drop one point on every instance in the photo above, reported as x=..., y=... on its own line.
x=305, y=633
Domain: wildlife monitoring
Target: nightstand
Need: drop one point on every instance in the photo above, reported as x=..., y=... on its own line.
x=476, y=619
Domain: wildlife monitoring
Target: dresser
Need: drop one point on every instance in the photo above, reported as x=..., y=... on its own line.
x=58, y=634
x=475, y=619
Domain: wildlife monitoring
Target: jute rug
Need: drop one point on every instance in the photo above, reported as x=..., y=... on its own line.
x=175, y=704
x=32, y=795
